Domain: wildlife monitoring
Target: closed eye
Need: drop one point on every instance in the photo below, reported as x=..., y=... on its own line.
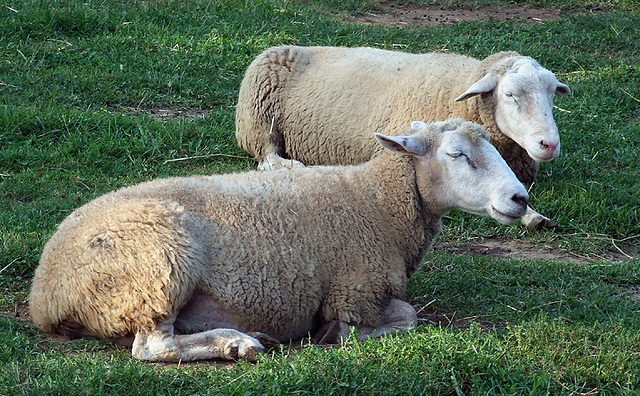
x=459, y=154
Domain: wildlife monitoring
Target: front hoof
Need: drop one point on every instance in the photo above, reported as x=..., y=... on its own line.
x=245, y=348
x=275, y=162
x=251, y=353
x=542, y=224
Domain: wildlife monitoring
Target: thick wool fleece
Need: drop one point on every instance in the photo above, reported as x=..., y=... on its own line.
x=321, y=105
x=282, y=248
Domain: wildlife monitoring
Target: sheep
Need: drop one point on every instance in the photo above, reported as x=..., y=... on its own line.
x=316, y=105
x=207, y=267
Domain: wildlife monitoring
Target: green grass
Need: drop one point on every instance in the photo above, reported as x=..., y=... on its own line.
x=80, y=81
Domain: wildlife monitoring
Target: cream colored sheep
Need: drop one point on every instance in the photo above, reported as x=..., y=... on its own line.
x=209, y=266
x=317, y=105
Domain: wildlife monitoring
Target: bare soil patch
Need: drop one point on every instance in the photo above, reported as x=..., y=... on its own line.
x=519, y=250
x=399, y=16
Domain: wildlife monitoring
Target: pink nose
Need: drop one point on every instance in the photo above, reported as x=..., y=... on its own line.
x=547, y=146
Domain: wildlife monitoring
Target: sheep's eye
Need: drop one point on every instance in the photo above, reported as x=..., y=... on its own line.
x=509, y=94
x=459, y=154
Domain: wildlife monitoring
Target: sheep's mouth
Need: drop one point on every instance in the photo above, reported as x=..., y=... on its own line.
x=543, y=159
x=511, y=218
x=543, y=156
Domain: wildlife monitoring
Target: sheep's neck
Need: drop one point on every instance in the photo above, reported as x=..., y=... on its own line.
x=409, y=217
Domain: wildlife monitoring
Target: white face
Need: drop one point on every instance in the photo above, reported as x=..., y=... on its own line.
x=478, y=180
x=461, y=172
x=524, y=103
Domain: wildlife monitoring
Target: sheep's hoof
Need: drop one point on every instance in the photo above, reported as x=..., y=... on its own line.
x=267, y=341
x=251, y=353
x=332, y=333
x=244, y=348
x=274, y=162
x=541, y=223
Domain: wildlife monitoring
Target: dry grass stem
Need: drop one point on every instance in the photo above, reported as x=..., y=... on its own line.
x=205, y=156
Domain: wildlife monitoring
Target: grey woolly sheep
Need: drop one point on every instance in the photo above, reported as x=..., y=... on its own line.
x=317, y=105
x=216, y=266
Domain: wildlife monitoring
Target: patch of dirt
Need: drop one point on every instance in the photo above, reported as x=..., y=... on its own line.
x=400, y=16
x=519, y=250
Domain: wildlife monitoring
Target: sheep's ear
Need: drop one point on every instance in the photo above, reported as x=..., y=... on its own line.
x=562, y=89
x=486, y=84
x=406, y=145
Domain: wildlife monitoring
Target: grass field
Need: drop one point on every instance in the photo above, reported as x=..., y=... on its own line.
x=100, y=94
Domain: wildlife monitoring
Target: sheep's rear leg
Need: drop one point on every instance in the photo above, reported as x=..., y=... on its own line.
x=162, y=345
x=535, y=221
x=273, y=161
x=399, y=316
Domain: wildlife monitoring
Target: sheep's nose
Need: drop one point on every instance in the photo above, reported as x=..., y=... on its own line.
x=548, y=146
x=520, y=200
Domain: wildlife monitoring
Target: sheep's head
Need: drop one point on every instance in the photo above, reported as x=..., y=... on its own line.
x=523, y=93
x=457, y=168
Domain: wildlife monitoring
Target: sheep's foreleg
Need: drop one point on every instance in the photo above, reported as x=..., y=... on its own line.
x=399, y=316
x=162, y=345
x=535, y=221
x=274, y=161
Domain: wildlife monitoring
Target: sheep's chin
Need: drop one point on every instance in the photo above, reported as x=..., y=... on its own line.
x=503, y=218
x=543, y=160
